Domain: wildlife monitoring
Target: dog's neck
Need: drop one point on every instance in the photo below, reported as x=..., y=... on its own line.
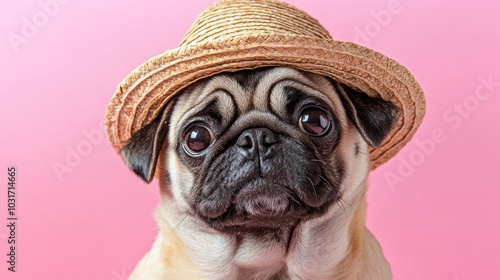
x=336, y=247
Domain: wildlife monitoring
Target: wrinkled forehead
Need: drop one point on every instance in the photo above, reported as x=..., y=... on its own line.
x=266, y=90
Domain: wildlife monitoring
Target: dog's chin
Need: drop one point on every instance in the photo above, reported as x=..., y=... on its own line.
x=247, y=223
x=258, y=209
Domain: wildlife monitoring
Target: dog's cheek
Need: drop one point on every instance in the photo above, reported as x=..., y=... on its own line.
x=353, y=149
x=162, y=173
x=180, y=178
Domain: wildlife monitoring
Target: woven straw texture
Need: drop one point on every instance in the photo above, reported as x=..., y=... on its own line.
x=234, y=35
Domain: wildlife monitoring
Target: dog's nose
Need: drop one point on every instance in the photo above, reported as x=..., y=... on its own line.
x=256, y=142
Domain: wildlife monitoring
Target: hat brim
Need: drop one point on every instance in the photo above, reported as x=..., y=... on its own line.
x=146, y=90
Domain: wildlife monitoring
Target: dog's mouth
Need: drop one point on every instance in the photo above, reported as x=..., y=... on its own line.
x=261, y=205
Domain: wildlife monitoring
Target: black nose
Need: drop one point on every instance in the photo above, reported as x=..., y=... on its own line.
x=256, y=142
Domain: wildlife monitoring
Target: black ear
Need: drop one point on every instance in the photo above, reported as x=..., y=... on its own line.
x=373, y=117
x=141, y=151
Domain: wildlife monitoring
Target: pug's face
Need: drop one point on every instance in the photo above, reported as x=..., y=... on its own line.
x=261, y=149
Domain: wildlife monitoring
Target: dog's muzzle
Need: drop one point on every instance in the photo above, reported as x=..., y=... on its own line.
x=264, y=179
x=256, y=149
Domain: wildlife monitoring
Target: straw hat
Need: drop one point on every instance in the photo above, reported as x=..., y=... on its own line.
x=234, y=35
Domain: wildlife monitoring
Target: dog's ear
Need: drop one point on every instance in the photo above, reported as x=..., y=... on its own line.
x=141, y=151
x=373, y=117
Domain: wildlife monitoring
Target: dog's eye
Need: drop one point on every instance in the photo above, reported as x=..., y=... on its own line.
x=197, y=138
x=314, y=122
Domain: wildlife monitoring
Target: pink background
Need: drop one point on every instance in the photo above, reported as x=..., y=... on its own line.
x=435, y=208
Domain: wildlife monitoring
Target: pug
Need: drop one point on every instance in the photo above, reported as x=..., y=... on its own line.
x=262, y=176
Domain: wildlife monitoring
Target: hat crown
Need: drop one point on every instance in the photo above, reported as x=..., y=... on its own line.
x=239, y=18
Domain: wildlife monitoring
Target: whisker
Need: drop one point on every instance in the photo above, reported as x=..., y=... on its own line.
x=313, y=186
x=341, y=203
x=292, y=197
x=178, y=224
